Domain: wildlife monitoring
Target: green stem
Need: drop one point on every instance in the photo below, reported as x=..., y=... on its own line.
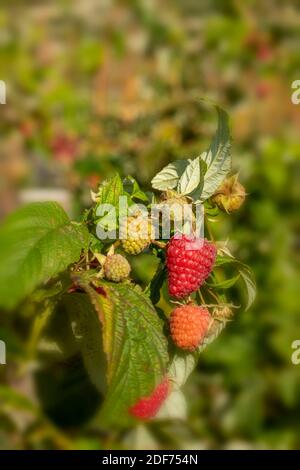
x=38, y=327
x=222, y=296
x=201, y=296
x=211, y=236
x=214, y=295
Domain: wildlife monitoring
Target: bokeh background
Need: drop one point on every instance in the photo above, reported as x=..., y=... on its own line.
x=98, y=86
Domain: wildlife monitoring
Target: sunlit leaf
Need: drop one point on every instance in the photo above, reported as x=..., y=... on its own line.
x=217, y=158
x=193, y=177
x=169, y=176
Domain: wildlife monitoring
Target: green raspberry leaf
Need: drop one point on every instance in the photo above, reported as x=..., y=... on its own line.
x=184, y=363
x=36, y=243
x=132, y=188
x=249, y=282
x=169, y=176
x=154, y=287
x=192, y=179
x=106, y=209
x=244, y=273
x=226, y=284
x=181, y=367
x=133, y=341
x=217, y=158
x=175, y=406
x=201, y=176
x=110, y=191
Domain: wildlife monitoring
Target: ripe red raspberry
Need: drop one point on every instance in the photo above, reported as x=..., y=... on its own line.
x=148, y=407
x=189, y=324
x=189, y=261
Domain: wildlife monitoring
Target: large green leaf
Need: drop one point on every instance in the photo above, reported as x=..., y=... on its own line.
x=217, y=158
x=135, y=346
x=36, y=243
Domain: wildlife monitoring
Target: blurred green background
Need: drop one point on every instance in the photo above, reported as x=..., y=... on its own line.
x=95, y=87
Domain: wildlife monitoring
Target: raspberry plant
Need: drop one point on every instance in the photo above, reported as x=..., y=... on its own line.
x=121, y=330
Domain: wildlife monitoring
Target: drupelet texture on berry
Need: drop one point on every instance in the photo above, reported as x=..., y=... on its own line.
x=190, y=261
x=148, y=407
x=138, y=235
x=189, y=325
x=116, y=268
x=134, y=246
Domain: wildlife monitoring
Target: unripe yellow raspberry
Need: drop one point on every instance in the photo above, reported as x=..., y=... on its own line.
x=176, y=204
x=116, y=268
x=139, y=235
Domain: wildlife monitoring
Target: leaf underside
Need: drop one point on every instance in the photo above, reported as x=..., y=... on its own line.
x=201, y=176
x=217, y=159
x=184, y=363
x=169, y=176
